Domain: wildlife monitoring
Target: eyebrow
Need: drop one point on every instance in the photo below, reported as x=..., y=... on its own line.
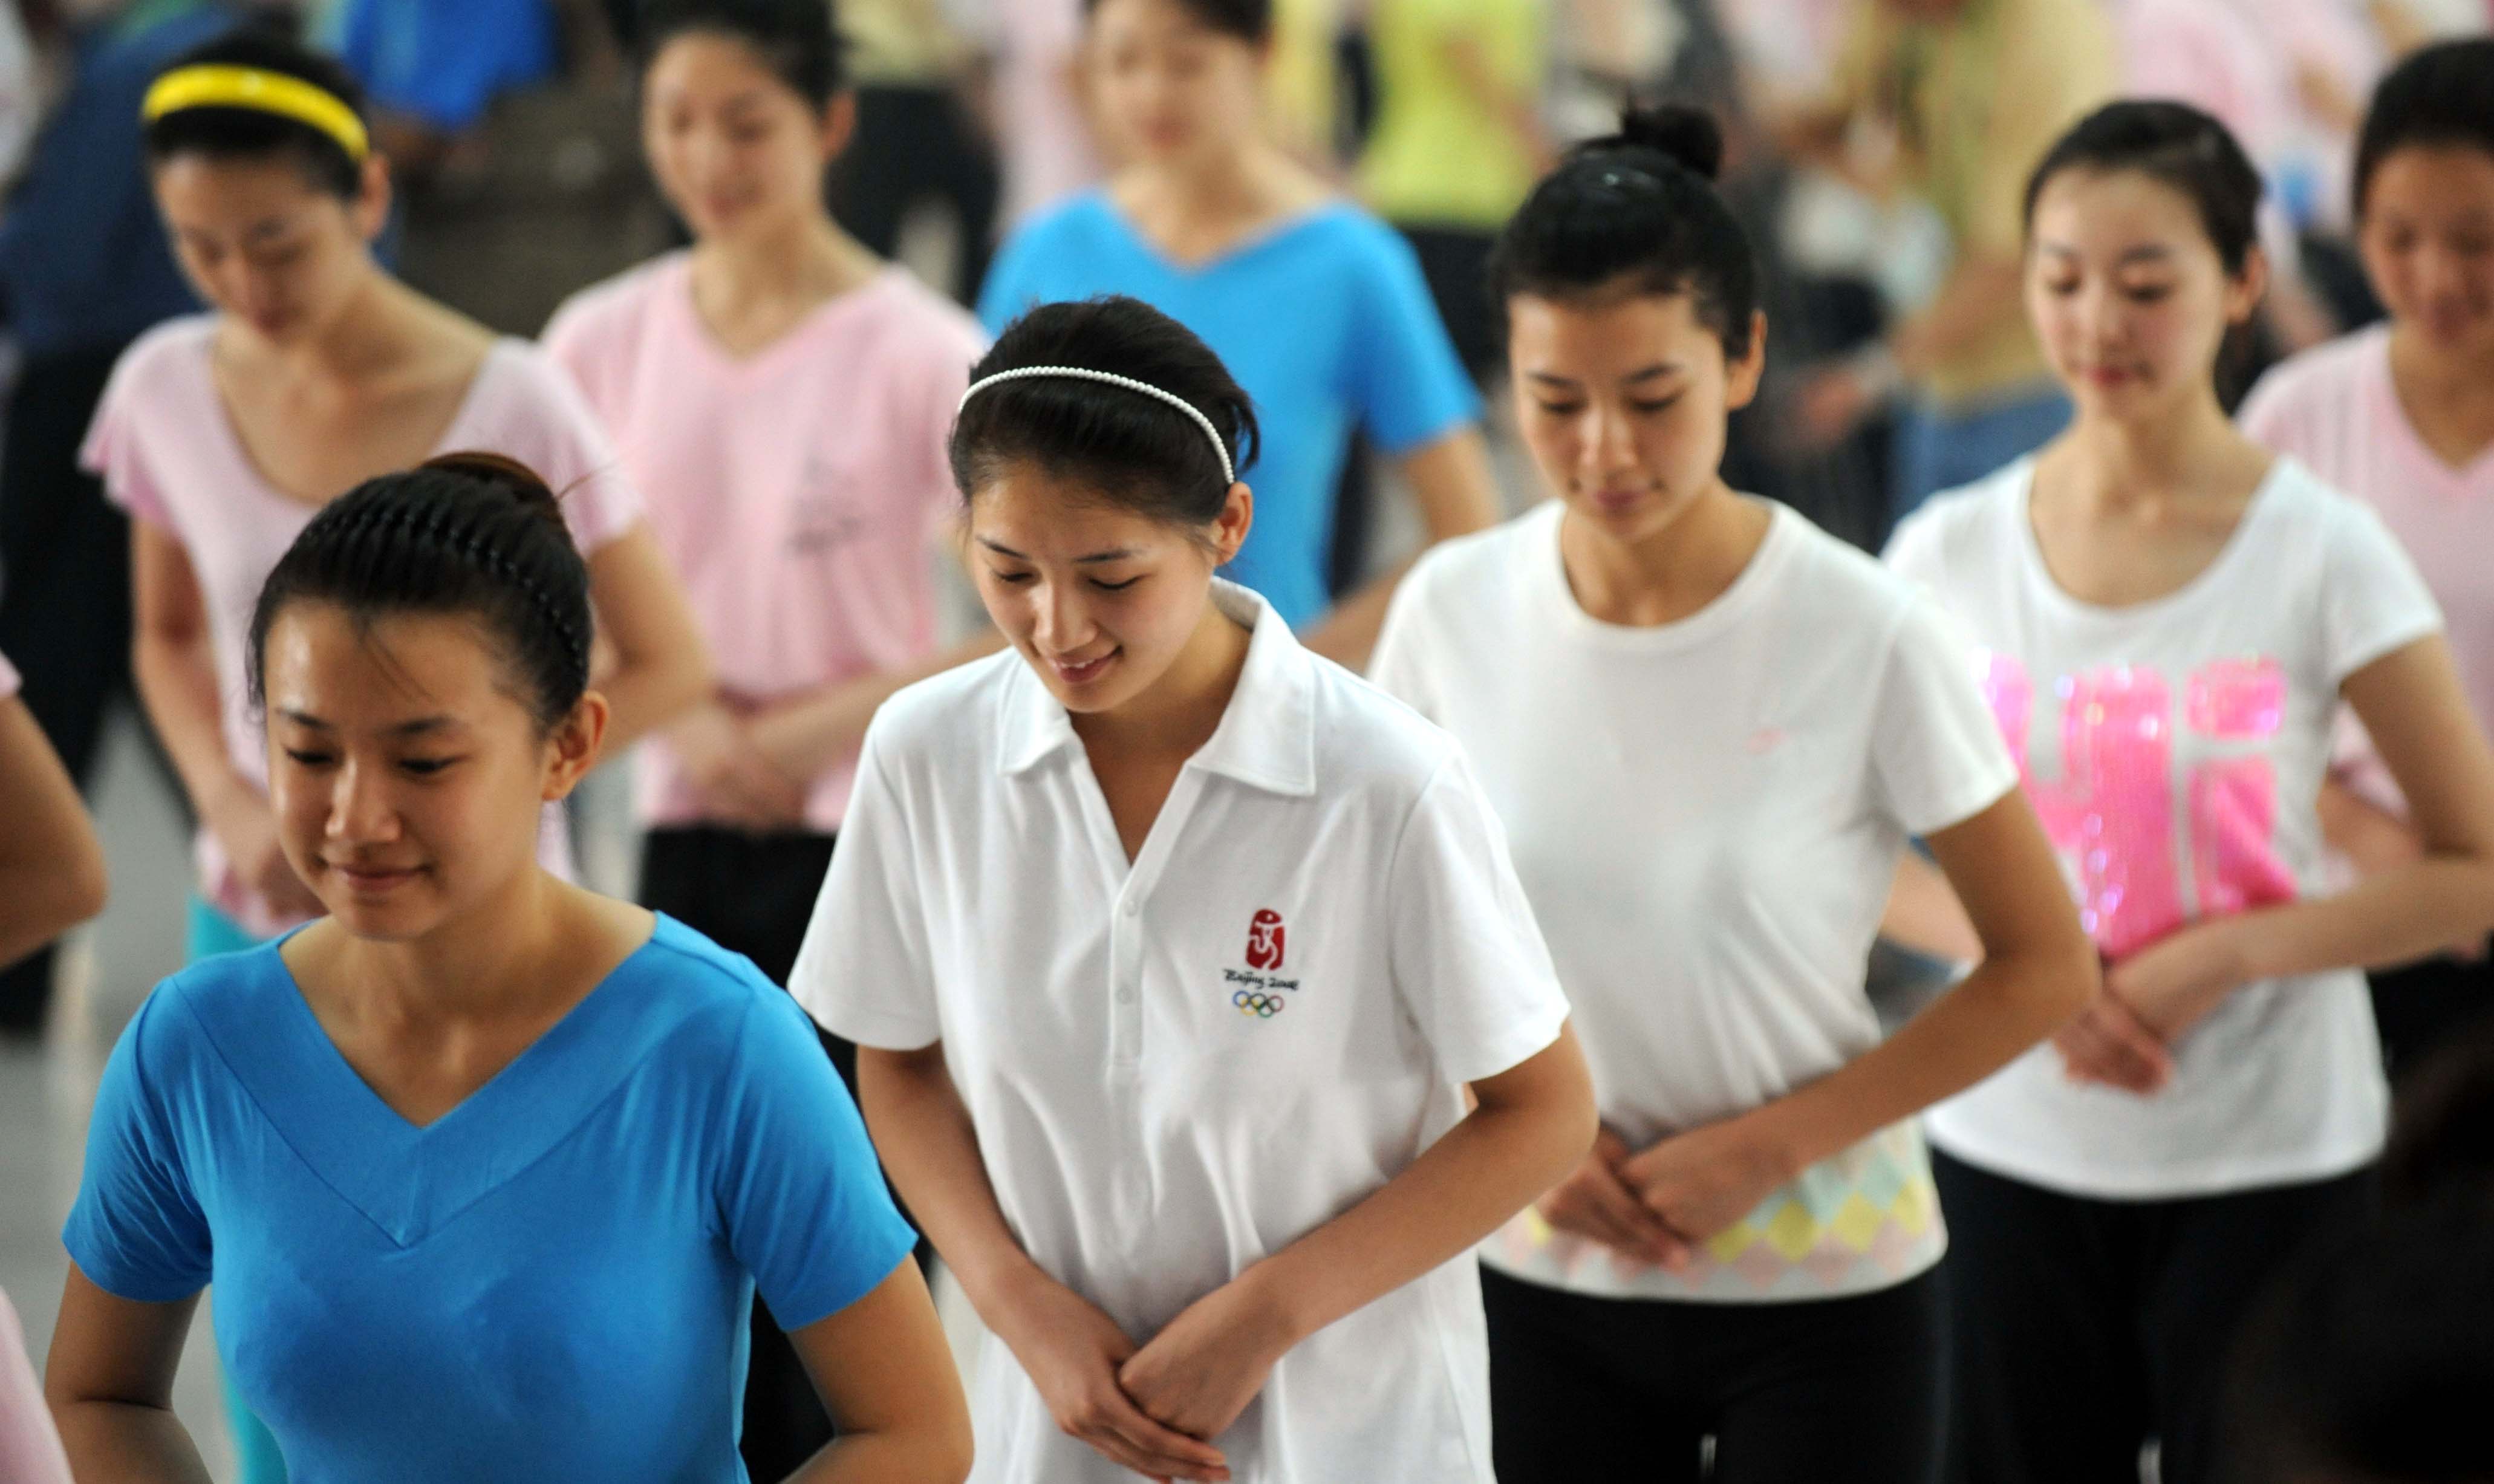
x=2153, y=252
x=420, y=726
x=1643, y=374
x=1119, y=553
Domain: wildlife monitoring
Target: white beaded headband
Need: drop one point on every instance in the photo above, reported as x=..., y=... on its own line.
x=1087, y=373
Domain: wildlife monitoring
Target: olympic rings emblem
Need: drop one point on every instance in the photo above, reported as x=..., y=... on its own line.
x=1262, y=1006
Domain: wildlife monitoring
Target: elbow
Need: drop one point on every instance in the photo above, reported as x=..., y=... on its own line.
x=87, y=886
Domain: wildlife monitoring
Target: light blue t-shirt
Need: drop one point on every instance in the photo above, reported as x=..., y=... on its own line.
x=1325, y=320
x=550, y=1281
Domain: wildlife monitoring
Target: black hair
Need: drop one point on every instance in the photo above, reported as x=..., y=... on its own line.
x=473, y=534
x=2371, y=1355
x=798, y=39
x=1139, y=452
x=1246, y=20
x=2178, y=146
x=2441, y=95
x=1636, y=209
x=253, y=133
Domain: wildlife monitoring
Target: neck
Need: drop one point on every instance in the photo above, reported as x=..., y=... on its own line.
x=369, y=329
x=1225, y=183
x=2424, y=371
x=480, y=966
x=1178, y=712
x=1670, y=573
x=808, y=258
x=2172, y=453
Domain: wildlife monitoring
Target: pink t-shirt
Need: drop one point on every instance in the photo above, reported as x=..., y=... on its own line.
x=2335, y=408
x=166, y=451
x=8, y=676
x=796, y=491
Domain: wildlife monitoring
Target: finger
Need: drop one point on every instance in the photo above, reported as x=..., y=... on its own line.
x=1160, y=1461
x=1641, y=1230
x=2090, y=1055
x=2125, y=1056
x=1151, y=1437
x=2138, y=1039
x=1609, y=1149
x=1125, y=1455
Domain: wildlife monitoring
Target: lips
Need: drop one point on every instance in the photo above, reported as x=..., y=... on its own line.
x=371, y=879
x=1085, y=673
x=1618, y=502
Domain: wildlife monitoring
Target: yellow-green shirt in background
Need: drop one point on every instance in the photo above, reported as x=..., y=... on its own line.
x=900, y=42
x=1976, y=100
x=1441, y=155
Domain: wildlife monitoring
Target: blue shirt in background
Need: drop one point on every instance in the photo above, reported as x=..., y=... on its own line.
x=553, y=1281
x=1325, y=320
x=446, y=61
x=84, y=264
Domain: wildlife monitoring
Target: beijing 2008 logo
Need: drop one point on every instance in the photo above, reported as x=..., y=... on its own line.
x=1250, y=1002
x=1264, y=941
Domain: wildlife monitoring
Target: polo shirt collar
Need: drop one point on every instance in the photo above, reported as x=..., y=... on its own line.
x=1268, y=737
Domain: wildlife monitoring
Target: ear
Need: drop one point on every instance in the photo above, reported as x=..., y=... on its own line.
x=1741, y=376
x=2245, y=290
x=1230, y=527
x=573, y=746
x=371, y=207
x=839, y=124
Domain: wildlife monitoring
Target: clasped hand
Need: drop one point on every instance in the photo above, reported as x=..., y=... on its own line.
x=1653, y=1207
x=2124, y=1038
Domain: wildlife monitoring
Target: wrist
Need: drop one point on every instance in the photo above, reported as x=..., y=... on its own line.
x=1782, y=1140
x=1001, y=1289
x=1275, y=1307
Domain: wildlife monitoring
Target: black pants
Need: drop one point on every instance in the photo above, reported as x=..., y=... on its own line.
x=1455, y=263
x=64, y=593
x=2083, y=1328
x=1585, y=1388
x=2427, y=1006
x=913, y=143
x=753, y=894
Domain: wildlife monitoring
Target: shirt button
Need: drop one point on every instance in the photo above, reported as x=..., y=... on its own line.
x=1134, y=908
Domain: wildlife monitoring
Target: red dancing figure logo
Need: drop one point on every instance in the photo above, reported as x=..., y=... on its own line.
x=1264, y=940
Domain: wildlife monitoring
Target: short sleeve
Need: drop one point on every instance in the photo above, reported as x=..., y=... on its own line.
x=1936, y=754
x=1914, y=552
x=138, y=1230
x=568, y=342
x=864, y=969
x=1467, y=958
x=2264, y=414
x=30, y=1450
x=1011, y=284
x=547, y=424
x=1404, y=376
x=957, y=346
x=1399, y=664
x=114, y=454
x=2373, y=599
x=799, y=1191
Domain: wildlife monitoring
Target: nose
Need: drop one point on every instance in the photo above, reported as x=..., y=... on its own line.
x=1607, y=447
x=361, y=812
x=1061, y=622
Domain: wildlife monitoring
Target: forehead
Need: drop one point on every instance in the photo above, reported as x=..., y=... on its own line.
x=323, y=660
x=1167, y=20
x=1619, y=331
x=1042, y=513
x=2117, y=211
x=195, y=187
x=712, y=65
x=2447, y=180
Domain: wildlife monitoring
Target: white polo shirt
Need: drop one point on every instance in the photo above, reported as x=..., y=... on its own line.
x=1179, y=1066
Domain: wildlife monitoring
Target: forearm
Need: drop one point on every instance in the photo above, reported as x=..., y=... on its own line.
x=647, y=692
x=128, y=1443
x=1347, y=634
x=44, y=898
x=2404, y=914
x=883, y=1458
x=929, y=1144
x=176, y=682
x=1970, y=304
x=1464, y=1186
x=1925, y=914
x=2008, y=1004
x=812, y=732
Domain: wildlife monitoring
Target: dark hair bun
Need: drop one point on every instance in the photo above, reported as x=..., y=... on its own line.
x=523, y=484
x=1689, y=137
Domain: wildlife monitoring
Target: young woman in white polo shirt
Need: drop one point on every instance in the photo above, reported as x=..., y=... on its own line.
x=1170, y=951
x=1711, y=730
x=2172, y=617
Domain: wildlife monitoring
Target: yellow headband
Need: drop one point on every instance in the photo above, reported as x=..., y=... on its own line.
x=217, y=87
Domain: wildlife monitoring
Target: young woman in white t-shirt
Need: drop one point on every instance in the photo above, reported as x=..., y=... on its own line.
x=2401, y=416
x=1711, y=730
x=2171, y=617
x=1170, y=951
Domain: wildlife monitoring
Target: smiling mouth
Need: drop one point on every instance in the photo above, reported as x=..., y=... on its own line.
x=373, y=878
x=1085, y=672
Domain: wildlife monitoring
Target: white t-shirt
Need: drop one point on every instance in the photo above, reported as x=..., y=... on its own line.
x=1178, y=1067
x=1706, y=816
x=2174, y=750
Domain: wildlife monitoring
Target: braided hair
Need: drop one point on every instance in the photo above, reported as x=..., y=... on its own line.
x=475, y=534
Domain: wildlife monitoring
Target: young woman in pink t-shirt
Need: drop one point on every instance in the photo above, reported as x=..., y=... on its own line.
x=781, y=397
x=2401, y=416
x=223, y=433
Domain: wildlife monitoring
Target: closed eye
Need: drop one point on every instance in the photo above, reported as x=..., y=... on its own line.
x=425, y=767
x=1116, y=587
x=309, y=759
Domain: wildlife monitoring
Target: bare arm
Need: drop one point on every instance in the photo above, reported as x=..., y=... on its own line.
x=804, y=736
x=2038, y=969
x=1450, y=479
x=887, y=1379
x=110, y=1381
x=51, y=866
x=173, y=658
x=661, y=668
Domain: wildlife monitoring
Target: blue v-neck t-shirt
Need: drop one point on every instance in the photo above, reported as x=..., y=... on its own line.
x=1325, y=320
x=550, y=1281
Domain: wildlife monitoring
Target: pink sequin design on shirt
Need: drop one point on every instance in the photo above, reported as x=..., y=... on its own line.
x=2111, y=813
